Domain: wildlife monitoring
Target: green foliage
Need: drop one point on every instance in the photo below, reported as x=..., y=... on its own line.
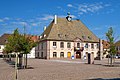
x=18, y=43
x=110, y=38
x=8, y=48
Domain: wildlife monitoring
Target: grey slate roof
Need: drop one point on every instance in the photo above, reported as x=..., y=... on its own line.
x=68, y=30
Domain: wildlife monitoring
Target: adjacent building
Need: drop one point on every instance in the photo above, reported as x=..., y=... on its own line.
x=106, y=46
x=117, y=44
x=3, y=40
x=67, y=38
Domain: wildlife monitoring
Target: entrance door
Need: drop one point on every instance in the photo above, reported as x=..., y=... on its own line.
x=78, y=55
x=69, y=54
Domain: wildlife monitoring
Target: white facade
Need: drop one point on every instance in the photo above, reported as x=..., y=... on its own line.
x=46, y=49
x=1, y=49
x=32, y=53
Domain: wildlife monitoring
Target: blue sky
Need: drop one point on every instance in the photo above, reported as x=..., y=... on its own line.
x=97, y=15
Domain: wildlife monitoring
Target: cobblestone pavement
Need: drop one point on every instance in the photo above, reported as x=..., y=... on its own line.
x=60, y=70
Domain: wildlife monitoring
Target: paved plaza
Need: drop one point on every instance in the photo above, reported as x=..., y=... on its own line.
x=60, y=70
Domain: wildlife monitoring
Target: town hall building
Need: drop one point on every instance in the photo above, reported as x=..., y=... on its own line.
x=67, y=38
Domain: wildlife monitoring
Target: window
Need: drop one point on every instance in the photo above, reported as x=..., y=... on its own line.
x=54, y=44
x=92, y=46
x=38, y=46
x=38, y=55
x=97, y=45
x=59, y=35
x=78, y=45
x=54, y=54
x=62, y=54
x=83, y=37
x=42, y=46
x=62, y=45
x=41, y=54
x=68, y=45
x=117, y=48
x=89, y=38
x=86, y=45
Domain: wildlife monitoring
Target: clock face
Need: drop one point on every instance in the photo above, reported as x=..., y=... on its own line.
x=69, y=19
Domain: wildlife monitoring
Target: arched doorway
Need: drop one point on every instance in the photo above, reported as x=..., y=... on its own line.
x=69, y=55
x=78, y=55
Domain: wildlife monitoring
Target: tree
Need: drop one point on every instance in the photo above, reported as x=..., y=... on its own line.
x=110, y=38
x=18, y=43
x=26, y=46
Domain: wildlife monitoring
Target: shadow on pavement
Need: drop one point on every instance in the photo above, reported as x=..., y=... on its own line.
x=104, y=79
x=12, y=64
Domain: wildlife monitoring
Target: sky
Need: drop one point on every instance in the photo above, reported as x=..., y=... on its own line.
x=97, y=15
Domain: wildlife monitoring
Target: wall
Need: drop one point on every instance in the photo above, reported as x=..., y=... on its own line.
x=48, y=49
x=32, y=53
x=59, y=50
x=1, y=49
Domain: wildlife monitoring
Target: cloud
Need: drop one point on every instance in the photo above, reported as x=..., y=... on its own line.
x=88, y=7
x=19, y=23
x=1, y=20
x=47, y=17
x=36, y=24
x=6, y=18
x=85, y=8
x=70, y=5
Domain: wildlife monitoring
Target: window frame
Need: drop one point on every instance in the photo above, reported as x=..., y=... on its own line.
x=42, y=46
x=54, y=44
x=61, y=44
x=78, y=46
x=92, y=46
x=68, y=45
x=54, y=54
x=98, y=45
x=61, y=54
x=86, y=45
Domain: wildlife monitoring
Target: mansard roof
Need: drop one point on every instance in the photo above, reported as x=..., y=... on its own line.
x=68, y=30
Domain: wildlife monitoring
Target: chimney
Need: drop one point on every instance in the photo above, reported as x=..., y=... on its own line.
x=55, y=20
x=44, y=28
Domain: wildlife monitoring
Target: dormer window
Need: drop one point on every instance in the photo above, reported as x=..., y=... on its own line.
x=6, y=41
x=89, y=37
x=59, y=35
x=66, y=36
x=83, y=37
